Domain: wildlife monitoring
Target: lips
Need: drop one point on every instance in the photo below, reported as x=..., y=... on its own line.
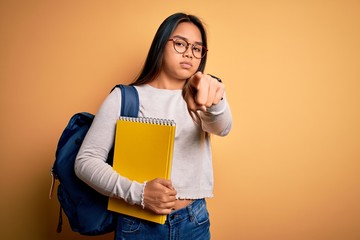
x=186, y=65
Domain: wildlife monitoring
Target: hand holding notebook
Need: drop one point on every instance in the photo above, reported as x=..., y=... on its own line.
x=160, y=196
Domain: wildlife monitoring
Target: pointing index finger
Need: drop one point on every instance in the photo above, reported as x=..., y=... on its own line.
x=195, y=80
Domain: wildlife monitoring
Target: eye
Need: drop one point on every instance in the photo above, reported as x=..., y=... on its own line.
x=180, y=43
x=197, y=48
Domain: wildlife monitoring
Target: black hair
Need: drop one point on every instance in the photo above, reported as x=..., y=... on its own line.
x=153, y=62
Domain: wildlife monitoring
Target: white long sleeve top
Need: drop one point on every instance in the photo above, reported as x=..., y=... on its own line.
x=192, y=171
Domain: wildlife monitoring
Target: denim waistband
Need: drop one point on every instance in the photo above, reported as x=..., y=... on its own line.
x=187, y=212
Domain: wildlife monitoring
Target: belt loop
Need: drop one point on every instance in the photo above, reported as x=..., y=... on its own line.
x=190, y=211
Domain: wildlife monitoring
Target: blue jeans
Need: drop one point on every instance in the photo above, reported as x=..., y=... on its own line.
x=189, y=223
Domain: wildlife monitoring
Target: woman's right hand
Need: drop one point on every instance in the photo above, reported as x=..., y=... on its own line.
x=159, y=196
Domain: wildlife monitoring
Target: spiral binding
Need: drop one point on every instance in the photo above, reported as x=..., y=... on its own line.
x=157, y=121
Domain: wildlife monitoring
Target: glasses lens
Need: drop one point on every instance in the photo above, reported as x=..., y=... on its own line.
x=199, y=51
x=180, y=45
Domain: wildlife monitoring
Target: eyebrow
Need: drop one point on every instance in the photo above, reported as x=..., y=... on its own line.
x=184, y=38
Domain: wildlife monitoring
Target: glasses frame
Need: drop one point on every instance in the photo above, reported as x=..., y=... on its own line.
x=205, y=50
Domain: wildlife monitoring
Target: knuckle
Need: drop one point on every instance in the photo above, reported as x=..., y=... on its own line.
x=162, y=199
x=221, y=85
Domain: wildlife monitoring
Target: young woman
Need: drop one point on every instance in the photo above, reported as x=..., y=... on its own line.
x=172, y=85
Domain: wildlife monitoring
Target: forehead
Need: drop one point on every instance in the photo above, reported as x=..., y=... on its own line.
x=189, y=31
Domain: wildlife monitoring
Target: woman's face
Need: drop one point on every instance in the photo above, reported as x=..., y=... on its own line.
x=181, y=66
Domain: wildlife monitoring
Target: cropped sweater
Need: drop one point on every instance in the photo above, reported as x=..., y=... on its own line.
x=192, y=171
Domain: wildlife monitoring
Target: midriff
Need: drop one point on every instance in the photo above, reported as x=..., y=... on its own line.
x=181, y=203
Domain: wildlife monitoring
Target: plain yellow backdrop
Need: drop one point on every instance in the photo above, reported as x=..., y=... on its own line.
x=289, y=170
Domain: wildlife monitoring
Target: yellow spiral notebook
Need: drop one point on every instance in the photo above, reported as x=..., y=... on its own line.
x=143, y=151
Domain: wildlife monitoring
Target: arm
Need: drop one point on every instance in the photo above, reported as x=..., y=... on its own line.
x=217, y=119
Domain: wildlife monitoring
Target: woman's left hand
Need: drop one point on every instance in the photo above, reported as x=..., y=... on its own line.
x=205, y=92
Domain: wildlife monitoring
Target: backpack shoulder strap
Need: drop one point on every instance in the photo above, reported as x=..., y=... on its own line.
x=129, y=101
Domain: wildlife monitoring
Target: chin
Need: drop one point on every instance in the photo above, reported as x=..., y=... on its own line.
x=187, y=75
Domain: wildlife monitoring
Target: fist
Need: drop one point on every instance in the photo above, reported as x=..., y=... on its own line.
x=205, y=91
x=159, y=196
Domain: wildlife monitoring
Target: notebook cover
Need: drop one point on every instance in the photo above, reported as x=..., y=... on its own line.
x=143, y=151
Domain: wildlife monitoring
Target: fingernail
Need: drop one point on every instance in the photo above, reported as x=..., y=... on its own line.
x=202, y=108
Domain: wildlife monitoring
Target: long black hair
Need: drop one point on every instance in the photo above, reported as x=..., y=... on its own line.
x=153, y=62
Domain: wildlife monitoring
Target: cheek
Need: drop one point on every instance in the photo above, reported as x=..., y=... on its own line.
x=196, y=64
x=168, y=60
x=169, y=52
x=169, y=56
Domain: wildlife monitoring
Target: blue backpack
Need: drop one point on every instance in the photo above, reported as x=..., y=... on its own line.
x=85, y=208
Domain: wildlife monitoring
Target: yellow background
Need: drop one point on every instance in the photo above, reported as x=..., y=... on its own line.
x=289, y=170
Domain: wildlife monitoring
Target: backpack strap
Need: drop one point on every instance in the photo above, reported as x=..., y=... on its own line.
x=129, y=101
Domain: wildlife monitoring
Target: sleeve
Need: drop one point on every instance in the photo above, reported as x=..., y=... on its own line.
x=90, y=164
x=217, y=119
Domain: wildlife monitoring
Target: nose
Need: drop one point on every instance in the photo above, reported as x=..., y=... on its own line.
x=188, y=52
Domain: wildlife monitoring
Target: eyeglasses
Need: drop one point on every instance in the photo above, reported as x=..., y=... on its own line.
x=181, y=46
